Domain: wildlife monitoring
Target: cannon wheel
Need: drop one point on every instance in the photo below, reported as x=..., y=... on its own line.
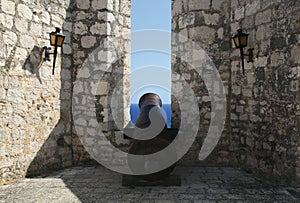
x=145, y=147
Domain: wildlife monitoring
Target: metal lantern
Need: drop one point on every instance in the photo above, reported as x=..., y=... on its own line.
x=241, y=41
x=56, y=40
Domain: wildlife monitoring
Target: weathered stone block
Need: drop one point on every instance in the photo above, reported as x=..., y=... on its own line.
x=261, y=61
x=182, y=36
x=100, y=29
x=21, y=25
x=67, y=26
x=66, y=62
x=21, y=54
x=251, y=78
x=211, y=19
x=10, y=38
x=119, y=139
x=277, y=59
x=278, y=43
x=295, y=54
x=239, y=109
x=260, y=33
x=8, y=7
x=265, y=3
x=263, y=32
x=80, y=122
x=99, y=88
x=45, y=17
x=247, y=92
x=252, y=8
x=67, y=49
x=102, y=56
x=220, y=33
x=110, y=5
x=88, y=41
x=236, y=90
x=233, y=117
x=263, y=17
x=6, y=20
x=203, y=33
x=199, y=4
x=27, y=41
x=111, y=18
x=177, y=8
x=124, y=7
x=99, y=4
x=83, y=4
x=218, y=4
x=81, y=16
x=239, y=13
x=186, y=20
x=57, y=21
x=294, y=86
x=234, y=3
x=248, y=22
x=36, y=29
x=294, y=22
x=24, y=11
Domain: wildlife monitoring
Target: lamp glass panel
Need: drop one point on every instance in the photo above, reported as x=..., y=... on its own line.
x=60, y=40
x=244, y=40
x=52, y=39
x=236, y=41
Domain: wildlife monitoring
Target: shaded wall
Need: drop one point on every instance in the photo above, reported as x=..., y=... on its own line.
x=265, y=102
x=200, y=30
x=101, y=67
x=262, y=126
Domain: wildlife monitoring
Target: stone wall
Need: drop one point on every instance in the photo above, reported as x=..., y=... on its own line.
x=200, y=30
x=34, y=103
x=262, y=126
x=37, y=127
x=265, y=106
x=101, y=67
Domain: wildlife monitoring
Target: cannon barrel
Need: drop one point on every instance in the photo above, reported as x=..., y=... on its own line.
x=151, y=117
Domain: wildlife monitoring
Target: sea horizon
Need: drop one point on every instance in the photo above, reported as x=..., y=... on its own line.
x=135, y=110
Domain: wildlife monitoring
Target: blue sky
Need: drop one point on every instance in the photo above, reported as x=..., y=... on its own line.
x=145, y=15
x=150, y=14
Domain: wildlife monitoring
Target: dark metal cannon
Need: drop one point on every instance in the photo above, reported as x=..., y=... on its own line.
x=151, y=135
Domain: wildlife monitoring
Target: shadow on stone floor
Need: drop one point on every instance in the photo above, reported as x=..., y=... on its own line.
x=98, y=184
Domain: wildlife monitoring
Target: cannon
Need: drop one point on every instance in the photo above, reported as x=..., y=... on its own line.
x=151, y=135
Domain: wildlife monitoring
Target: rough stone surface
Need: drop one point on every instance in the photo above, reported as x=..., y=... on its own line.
x=262, y=128
x=199, y=184
x=102, y=43
x=206, y=28
x=36, y=107
x=31, y=103
x=8, y=7
x=270, y=120
x=199, y=4
x=37, y=127
x=88, y=41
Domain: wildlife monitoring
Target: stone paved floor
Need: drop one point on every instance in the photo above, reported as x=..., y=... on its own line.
x=97, y=184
